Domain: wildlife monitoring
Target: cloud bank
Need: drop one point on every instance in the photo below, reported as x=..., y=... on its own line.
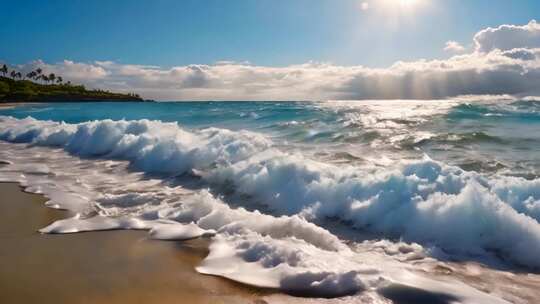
x=505, y=60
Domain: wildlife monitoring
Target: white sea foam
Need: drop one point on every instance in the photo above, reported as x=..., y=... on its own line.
x=176, y=231
x=77, y=224
x=424, y=201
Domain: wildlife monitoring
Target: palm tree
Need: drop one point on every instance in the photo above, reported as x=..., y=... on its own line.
x=45, y=78
x=38, y=74
x=31, y=75
x=52, y=77
x=19, y=75
x=59, y=79
x=4, y=70
x=13, y=74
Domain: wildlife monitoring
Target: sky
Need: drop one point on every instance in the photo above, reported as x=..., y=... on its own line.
x=276, y=49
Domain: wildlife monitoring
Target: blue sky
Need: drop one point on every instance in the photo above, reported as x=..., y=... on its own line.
x=263, y=32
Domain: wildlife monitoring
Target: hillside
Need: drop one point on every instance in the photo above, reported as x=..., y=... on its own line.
x=27, y=91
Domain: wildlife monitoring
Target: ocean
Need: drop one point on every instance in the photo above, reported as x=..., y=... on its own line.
x=364, y=201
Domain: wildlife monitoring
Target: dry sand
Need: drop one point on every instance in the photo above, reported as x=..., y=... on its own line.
x=99, y=267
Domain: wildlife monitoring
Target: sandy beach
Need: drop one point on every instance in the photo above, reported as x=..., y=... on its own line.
x=9, y=105
x=99, y=267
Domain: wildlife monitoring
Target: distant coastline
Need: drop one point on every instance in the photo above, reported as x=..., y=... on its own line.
x=36, y=86
x=16, y=91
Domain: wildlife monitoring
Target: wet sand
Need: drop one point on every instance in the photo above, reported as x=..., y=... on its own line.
x=124, y=266
x=99, y=267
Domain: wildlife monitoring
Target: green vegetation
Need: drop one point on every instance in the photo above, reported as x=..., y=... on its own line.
x=25, y=88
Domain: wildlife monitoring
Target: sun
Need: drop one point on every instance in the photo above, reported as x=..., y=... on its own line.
x=407, y=3
x=392, y=6
x=401, y=4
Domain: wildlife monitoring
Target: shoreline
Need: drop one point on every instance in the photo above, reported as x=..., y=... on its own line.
x=14, y=104
x=117, y=266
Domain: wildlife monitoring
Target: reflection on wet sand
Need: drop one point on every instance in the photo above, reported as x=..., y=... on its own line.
x=98, y=267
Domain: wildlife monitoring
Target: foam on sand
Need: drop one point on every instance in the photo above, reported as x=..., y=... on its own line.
x=288, y=246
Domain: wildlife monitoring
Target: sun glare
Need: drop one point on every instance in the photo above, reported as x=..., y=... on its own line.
x=407, y=3
x=400, y=4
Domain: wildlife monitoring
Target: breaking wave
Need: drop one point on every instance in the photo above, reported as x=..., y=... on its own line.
x=289, y=246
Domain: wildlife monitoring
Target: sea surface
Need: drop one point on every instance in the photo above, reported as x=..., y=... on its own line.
x=437, y=201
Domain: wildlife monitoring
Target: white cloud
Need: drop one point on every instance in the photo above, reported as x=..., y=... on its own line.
x=72, y=70
x=454, y=46
x=507, y=37
x=512, y=69
x=364, y=6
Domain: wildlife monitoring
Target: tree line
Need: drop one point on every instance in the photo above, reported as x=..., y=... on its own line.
x=36, y=75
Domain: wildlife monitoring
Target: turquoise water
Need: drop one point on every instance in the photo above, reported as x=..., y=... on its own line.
x=192, y=114
x=493, y=136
